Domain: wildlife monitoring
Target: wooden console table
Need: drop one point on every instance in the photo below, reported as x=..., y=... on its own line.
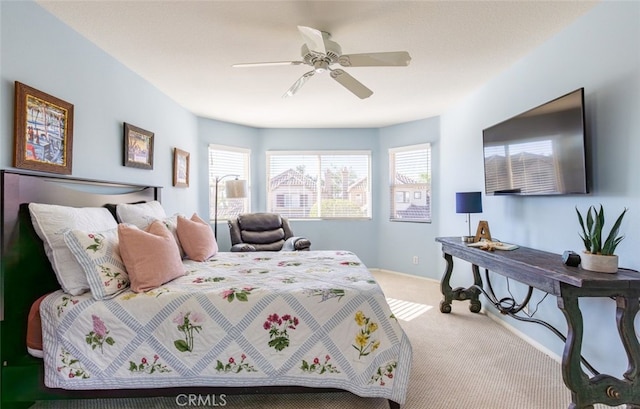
x=545, y=271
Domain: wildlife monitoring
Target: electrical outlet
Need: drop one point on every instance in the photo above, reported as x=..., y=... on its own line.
x=415, y=259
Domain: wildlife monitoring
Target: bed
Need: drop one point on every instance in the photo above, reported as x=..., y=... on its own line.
x=233, y=323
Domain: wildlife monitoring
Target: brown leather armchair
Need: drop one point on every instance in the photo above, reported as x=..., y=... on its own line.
x=264, y=232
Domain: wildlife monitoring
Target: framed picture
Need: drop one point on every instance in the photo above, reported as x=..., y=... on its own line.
x=180, y=168
x=138, y=147
x=43, y=131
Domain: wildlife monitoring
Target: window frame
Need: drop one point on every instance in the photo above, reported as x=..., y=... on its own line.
x=405, y=189
x=307, y=198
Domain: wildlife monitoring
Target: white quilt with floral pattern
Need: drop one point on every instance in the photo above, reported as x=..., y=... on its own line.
x=315, y=319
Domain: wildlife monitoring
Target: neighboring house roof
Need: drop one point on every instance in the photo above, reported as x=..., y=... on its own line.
x=291, y=177
x=360, y=184
x=405, y=180
x=414, y=212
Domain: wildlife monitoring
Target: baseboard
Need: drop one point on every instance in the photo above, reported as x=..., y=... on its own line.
x=381, y=270
x=491, y=315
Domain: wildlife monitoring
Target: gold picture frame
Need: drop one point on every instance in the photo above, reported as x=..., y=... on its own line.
x=138, y=147
x=180, y=168
x=43, y=131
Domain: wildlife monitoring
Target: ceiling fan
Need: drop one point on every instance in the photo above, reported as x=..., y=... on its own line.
x=320, y=52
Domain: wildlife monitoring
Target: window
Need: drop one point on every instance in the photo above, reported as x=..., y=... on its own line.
x=402, y=197
x=319, y=185
x=225, y=163
x=410, y=183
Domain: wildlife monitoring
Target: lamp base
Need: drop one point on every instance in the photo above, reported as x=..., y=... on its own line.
x=468, y=239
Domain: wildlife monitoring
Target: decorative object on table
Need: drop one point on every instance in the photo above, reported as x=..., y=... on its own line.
x=571, y=258
x=469, y=202
x=233, y=189
x=599, y=255
x=489, y=245
x=482, y=233
x=43, y=131
x=138, y=147
x=180, y=168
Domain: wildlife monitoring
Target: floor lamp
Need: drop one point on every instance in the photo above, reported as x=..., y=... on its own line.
x=234, y=189
x=469, y=202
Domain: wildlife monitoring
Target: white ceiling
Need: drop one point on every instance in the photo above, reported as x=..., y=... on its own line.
x=187, y=48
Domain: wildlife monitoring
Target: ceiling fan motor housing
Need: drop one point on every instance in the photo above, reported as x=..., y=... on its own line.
x=333, y=52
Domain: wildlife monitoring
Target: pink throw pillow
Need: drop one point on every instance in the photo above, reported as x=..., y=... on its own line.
x=196, y=238
x=151, y=256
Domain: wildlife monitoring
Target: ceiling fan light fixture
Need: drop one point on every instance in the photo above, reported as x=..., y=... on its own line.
x=320, y=52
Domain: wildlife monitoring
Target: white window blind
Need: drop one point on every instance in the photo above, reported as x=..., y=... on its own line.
x=410, y=183
x=319, y=184
x=227, y=161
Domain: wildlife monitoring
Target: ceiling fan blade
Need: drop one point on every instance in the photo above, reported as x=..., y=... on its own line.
x=266, y=64
x=351, y=84
x=298, y=84
x=388, y=59
x=313, y=39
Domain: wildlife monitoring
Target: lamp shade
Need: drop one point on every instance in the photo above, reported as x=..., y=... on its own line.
x=469, y=202
x=235, y=189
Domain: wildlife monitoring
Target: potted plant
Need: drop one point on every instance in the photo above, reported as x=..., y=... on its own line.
x=599, y=255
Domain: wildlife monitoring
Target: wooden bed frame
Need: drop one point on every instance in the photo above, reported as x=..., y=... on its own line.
x=26, y=274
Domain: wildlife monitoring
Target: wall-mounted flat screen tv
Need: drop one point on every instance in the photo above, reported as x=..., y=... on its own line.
x=539, y=152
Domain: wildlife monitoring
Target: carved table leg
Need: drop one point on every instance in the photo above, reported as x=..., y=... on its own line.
x=459, y=294
x=626, y=310
x=601, y=388
x=445, y=287
x=475, y=305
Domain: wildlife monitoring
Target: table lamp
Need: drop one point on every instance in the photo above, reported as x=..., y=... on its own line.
x=469, y=202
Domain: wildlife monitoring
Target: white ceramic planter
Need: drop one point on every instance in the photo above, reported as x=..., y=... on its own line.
x=599, y=263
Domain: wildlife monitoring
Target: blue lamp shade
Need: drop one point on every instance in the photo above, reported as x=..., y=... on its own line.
x=469, y=202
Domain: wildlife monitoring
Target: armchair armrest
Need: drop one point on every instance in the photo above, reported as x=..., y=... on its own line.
x=242, y=247
x=296, y=244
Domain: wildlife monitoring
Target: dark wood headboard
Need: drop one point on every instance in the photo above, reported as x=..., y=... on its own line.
x=25, y=271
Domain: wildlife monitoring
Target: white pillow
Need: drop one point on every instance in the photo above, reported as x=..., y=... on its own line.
x=50, y=223
x=140, y=214
x=171, y=223
x=99, y=256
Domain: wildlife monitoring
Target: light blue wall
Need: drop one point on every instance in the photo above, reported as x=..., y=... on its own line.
x=398, y=242
x=40, y=51
x=600, y=52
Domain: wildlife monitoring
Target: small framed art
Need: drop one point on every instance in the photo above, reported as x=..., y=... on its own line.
x=138, y=147
x=43, y=131
x=180, y=168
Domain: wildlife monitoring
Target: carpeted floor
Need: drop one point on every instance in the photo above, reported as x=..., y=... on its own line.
x=460, y=360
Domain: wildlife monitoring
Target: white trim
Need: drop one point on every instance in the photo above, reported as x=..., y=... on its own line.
x=215, y=146
x=381, y=270
x=320, y=152
x=410, y=147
